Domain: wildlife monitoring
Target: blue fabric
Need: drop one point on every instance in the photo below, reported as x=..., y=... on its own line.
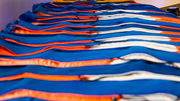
x=29, y=15
x=67, y=56
x=95, y=88
x=25, y=99
x=43, y=10
x=28, y=18
x=100, y=23
x=32, y=17
x=98, y=29
x=31, y=26
x=106, y=6
x=92, y=70
x=134, y=87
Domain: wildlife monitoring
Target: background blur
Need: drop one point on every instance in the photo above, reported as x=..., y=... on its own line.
x=11, y=9
x=159, y=3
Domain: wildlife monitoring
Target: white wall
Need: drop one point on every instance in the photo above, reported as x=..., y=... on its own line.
x=6, y=14
x=159, y=3
x=11, y=9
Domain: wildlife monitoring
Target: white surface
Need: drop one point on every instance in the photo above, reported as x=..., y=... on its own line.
x=159, y=3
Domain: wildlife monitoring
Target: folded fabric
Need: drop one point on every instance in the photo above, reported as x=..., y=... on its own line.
x=129, y=76
x=111, y=61
x=109, y=6
x=78, y=97
x=96, y=29
x=91, y=52
x=94, y=88
x=102, y=18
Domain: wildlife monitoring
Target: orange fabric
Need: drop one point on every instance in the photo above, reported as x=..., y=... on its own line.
x=22, y=31
x=7, y=52
x=41, y=77
x=111, y=1
x=164, y=20
x=56, y=27
x=84, y=20
x=93, y=11
x=50, y=18
x=72, y=4
x=45, y=44
x=167, y=19
x=178, y=47
x=85, y=78
x=42, y=14
x=97, y=1
x=20, y=27
x=157, y=12
x=84, y=2
x=57, y=5
x=169, y=27
x=52, y=63
x=174, y=39
x=90, y=11
x=85, y=5
x=56, y=96
x=170, y=33
x=78, y=17
x=60, y=26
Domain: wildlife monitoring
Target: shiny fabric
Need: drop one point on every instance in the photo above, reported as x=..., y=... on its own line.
x=91, y=52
